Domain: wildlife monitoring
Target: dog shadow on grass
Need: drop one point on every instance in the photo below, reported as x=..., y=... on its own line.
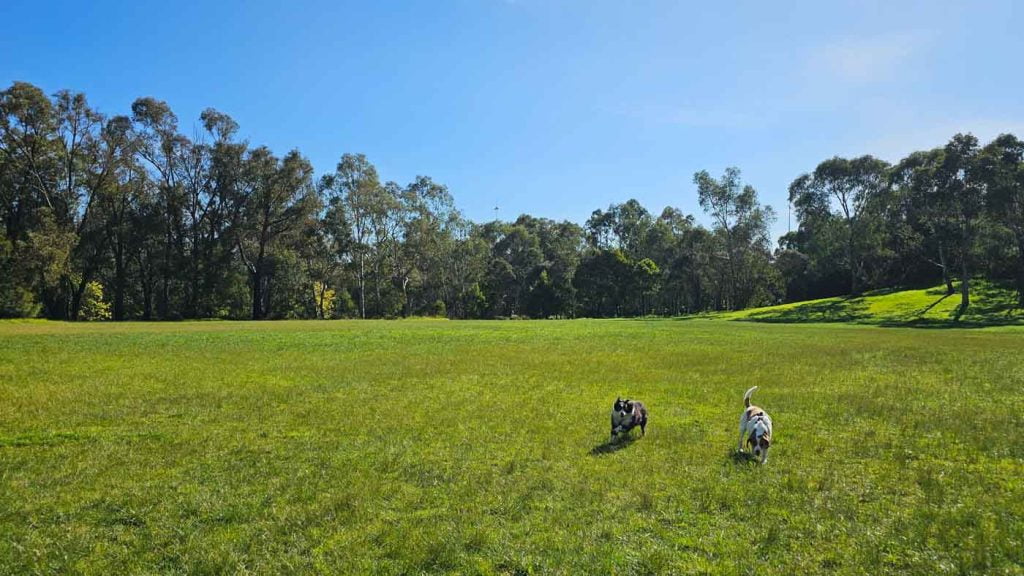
x=612, y=446
x=741, y=457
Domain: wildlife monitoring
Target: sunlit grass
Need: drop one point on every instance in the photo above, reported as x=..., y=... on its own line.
x=991, y=305
x=479, y=447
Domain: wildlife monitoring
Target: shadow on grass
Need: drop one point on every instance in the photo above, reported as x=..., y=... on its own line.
x=928, y=308
x=613, y=446
x=942, y=323
x=844, y=310
x=741, y=457
x=992, y=305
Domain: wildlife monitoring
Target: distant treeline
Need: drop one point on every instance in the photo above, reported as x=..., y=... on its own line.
x=125, y=217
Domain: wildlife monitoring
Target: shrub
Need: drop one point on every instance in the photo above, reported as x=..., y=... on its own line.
x=93, y=305
x=439, y=309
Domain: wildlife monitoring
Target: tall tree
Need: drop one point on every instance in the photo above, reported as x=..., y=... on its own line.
x=355, y=183
x=741, y=225
x=279, y=196
x=1002, y=168
x=962, y=188
x=927, y=209
x=846, y=187
x=162, y=148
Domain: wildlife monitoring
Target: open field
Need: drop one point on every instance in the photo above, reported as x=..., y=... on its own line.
x=479, y=447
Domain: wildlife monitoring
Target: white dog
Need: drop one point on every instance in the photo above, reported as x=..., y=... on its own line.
x=755, y=428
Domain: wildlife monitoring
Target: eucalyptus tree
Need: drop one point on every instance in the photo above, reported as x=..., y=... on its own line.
x=845, y=188
x=1002, y=168
x=927, y=209
x=516, y=260
x=36, y=248
x=677, y=244
x=120, y=205
x=51, y=172
x=279, y=196
x=102, y=156
x=426, y=214
x=387, y=218
x=623, y=226
x=552, y=292
x=962, y=189
x=219, y=210
x=355, y=184
x=326, y=248
x=741, y=225
x=162, y=148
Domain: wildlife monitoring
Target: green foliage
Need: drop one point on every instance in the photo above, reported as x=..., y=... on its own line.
x=16, y=296
x=17, y=301
x=177, y=225
x=345, y=306
x=93, y=306
x=474, y=301
x=480, y=447
x=325, y=300
x=438, y=310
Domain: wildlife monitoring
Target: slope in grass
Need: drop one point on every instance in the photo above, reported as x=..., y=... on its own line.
x=991, y=305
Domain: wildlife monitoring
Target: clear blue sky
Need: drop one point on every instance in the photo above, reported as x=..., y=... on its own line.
x=549, y=107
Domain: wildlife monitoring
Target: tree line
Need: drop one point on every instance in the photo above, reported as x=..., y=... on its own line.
x=126, y=217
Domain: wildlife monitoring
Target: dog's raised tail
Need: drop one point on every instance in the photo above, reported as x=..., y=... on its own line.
x=746, y=397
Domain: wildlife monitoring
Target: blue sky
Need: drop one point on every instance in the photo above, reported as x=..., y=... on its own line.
x=549, y=107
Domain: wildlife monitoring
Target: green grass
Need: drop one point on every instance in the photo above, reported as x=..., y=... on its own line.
x=991, y=305
x=479, y=448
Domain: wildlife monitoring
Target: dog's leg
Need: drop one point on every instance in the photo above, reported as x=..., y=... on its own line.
x=743, y=418
x=643, y=428
x=764, y=456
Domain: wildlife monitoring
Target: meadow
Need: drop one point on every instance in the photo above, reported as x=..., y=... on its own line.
x=410, y=447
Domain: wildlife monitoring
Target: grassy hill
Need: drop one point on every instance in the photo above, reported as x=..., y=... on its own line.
x=353, y=447
x=991, y=305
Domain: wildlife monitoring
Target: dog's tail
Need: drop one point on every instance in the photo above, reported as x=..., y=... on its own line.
x=746, y=397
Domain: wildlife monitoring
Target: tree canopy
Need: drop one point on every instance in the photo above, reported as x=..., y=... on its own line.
x=125, y=217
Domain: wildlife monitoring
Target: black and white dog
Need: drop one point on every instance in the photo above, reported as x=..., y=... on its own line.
x=626, y=415
x=755, y=428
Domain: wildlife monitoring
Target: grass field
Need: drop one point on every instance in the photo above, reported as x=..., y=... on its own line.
x=412, y=447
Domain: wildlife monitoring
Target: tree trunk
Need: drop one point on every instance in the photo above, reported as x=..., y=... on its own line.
x=318, y=300
x=76, y=298
x=946, y=278
x=965, y=290
x=362, y=287
x=257, y=295
x=147, y=290
x=268, y=289
x=376, y=288
x=163, y=304
x=119, y=281
x=965, y=247
x=405, y=297
x=1020, y=270
x=854, y=289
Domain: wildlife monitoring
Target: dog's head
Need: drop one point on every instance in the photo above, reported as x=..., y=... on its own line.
x=623, y=407
x=760, y=439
